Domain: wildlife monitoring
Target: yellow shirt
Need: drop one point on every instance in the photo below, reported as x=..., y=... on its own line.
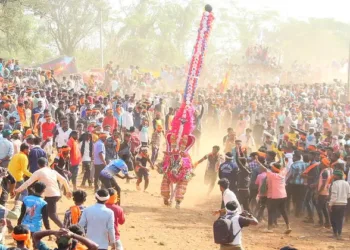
x=18, y=166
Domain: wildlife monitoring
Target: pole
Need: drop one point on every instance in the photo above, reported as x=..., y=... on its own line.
x=101, y=38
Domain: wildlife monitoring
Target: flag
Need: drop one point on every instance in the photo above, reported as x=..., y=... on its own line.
x=224, y=83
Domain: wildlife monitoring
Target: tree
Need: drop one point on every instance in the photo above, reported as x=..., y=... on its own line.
x=68, y=22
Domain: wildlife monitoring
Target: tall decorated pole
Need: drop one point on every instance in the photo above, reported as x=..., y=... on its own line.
x=177, y=165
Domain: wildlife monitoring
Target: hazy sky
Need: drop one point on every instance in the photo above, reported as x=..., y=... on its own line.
x=338, y=9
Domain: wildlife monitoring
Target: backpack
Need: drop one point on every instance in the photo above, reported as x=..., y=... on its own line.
x=223, y=230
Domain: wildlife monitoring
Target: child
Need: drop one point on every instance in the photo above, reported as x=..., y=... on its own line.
x=73, y=214
x=155, y=142
x=34, y=210
x=119, y=217
x=141, y=167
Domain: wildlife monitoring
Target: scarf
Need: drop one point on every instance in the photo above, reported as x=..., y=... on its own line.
x=113, y=199
x=21, y=114
x=75, y=214
x=23, y=237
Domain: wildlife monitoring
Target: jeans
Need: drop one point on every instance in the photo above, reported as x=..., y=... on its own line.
x=87, y=172
x=337, y=218
x=275, y=205
x=74, y=171
x=98, y=169
x=298, y=195
x=154, y=157
x=243, y=198
x=262, y=205
x=322, y=210
x=24, y=193
x=111, y=183
x=310, y=202
x=52, y=210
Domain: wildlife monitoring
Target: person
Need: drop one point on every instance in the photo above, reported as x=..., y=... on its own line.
x=340, y=193
x=75, y=157
x=18, y=167
x=110, y=120
x=119, y=217
x=34, y=154
x=214, y=160
x=99, y=221
x=52, y=192
x=34, y=210
x=61, y=162
x=7, y=149
x=229, y=170
x=243, y=182
x=248, y=141
x=227, y=196
x=16, y=141
x=296, y=182
x=112, y=169
x=239, y=221
x=65, y=240
x=62, y=133
x=322, y=193
x=276, y=193
x=22, y=236
x=155, y=142
x=99, y=157
x=141, y=167
x=73, y=214
x=86, y=148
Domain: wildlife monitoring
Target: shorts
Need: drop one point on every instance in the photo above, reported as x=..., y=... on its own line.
x=141, y=172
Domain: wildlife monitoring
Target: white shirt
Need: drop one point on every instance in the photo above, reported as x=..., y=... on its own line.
x=86, y=155
x=62, y=137
x=127, y=120
x=247, y=141
x=49, y=177
x=228, y=195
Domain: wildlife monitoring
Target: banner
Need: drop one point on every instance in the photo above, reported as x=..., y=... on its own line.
x=62, y=66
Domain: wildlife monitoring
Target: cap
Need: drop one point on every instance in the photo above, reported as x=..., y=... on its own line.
x=6, y=132
x=16, y=132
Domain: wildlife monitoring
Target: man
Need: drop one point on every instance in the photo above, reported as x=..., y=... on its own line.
x=35, y=153
x=127, y=119
x=214, y=160
x=7, y=149
x=227, y=196
x=75, y=157
x=141, y=160
x=113, y=169
x=18, y=167
x=99, y=157
x=229, y=170
x=16, y=141
x=238, y=222
x=65, y=240
x=52, y=192
x=276, y=194
x=62, y=133
x=248, y=141
x=311, y=175
x=296, y=182
x=110, y=120
x=340, y=193
x=60, y=113
x=99, y=221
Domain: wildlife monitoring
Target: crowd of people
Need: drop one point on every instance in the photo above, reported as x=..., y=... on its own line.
x=287, y=149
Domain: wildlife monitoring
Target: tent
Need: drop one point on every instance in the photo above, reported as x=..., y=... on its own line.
x=63, y=65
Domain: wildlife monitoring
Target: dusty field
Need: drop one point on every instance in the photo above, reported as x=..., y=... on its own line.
x=150, y=225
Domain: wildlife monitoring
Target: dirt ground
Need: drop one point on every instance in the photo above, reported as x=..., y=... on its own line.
x=150, y=225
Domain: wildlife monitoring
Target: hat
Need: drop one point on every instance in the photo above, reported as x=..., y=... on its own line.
x=6, y=132
x=338, y=173
x=16, y=132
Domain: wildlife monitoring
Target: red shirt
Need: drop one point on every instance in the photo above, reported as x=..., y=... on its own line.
x=111, y=121
x=47, y=129
x=75, y=154
x=119, y=218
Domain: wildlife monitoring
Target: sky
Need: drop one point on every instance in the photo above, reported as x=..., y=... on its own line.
x=337, y=9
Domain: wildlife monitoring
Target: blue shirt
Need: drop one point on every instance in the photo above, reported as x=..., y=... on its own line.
x=6, y=148
x=2, y=247
x=99, y=223
x=33, y=216
x=113, y=168
x=35, y=153
x=295, y=172
x=99, y=147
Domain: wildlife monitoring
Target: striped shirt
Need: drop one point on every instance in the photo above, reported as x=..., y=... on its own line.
x=295, y=172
